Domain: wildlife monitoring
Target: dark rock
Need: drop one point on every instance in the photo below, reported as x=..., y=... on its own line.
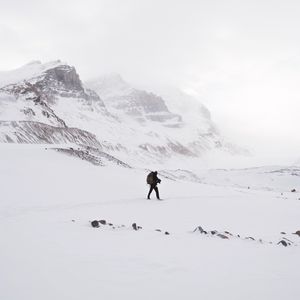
x=250, y=238
x=227, y=232
x=282, y=232
x=293, y=190
x=103, y=222
x=159, y=230
x=95, y=224
x=167, y=233
x=139, y=227
x=199, y=228
x=213, y=232
x=283, y=243
x=110, y=224
x=134, y=226
x=222, y=236
x=297, y=232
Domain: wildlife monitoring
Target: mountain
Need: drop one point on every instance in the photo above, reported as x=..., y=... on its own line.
x=48, y=103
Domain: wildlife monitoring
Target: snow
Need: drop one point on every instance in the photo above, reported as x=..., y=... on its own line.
x=135, y=125
x=28, y=71
x=45, y=255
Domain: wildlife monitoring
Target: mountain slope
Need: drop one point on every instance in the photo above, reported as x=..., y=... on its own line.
x=133, y=124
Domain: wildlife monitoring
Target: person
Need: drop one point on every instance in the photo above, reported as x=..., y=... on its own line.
x=153, y=180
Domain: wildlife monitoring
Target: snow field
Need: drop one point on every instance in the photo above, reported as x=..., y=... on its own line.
x=45, y=255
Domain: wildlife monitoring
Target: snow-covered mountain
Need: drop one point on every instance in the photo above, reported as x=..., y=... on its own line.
x=48, y=103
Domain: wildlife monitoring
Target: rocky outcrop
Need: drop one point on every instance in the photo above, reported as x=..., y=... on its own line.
x=138, y=104
x=28, y=132
x=92, y=155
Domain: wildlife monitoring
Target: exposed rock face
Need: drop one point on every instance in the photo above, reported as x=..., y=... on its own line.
x=38, y=93
x=141, y=105
x=65, y=75
x=92, y=155
x=27, y=132
x=48, y=103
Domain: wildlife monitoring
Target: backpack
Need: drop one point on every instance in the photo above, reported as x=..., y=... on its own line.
x=150, y=179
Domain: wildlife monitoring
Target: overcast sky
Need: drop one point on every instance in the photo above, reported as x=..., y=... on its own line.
x=241, y=58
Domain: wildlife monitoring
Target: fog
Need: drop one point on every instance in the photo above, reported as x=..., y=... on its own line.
x=240, y=58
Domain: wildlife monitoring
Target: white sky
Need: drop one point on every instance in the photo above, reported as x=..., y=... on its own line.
x=242, y=58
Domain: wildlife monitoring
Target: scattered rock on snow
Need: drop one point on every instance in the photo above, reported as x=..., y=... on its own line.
x=95, y=224
x=136, y=227
x=222, y=236
x=200, y=229
x=227, y=232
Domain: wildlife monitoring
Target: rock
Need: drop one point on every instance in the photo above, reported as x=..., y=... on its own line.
x=297, y=232
x=103, y=222
x=73, y=220
x=222, y=236
x=282, y=232
x=95, y=224
x=139, y=227
x=199, y=228
x=227, y=232
x=134, y=226
x=293, y=190
x=159, y=230
x=167, y=233
x=289, y=241
x=250, y=238
x=283, y=243
x=213, y=232
x=110, y=224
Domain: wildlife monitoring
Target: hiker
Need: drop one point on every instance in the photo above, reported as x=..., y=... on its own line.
x=153, y=180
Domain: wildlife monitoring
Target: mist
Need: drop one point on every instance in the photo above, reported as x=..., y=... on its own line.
x=239, y=58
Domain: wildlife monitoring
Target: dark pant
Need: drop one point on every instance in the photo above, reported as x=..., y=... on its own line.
x=155, y=188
